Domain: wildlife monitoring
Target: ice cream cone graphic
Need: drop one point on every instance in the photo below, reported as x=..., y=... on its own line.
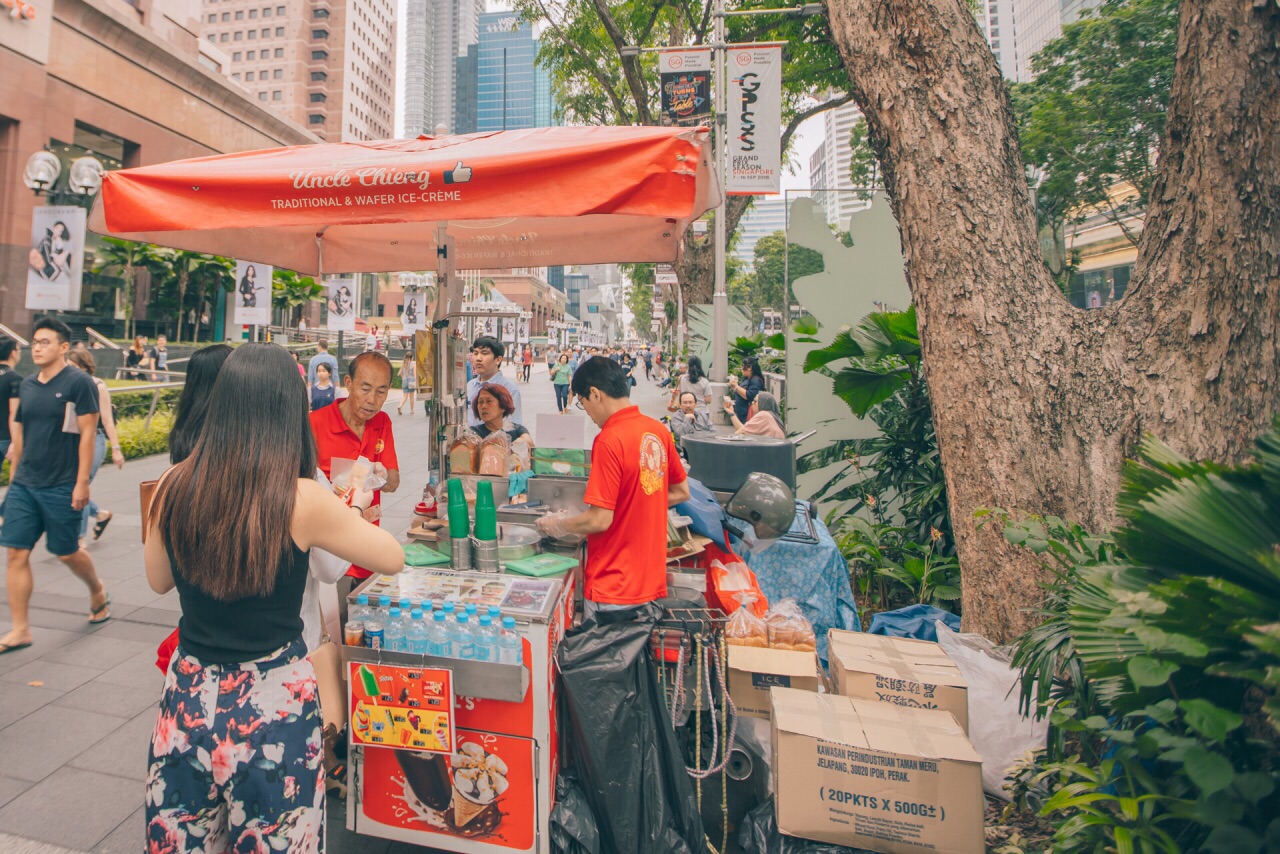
x=464, y=809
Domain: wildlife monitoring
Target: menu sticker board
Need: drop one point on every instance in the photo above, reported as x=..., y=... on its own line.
x=405, y=708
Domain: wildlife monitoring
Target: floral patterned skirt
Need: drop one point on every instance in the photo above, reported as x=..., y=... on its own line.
x=236, y=759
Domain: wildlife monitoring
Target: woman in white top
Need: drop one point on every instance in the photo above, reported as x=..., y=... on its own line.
x=408, y=382
x=694, y=380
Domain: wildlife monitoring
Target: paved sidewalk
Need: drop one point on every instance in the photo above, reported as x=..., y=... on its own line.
x=78, y=706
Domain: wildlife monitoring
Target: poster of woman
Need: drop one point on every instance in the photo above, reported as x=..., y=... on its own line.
x=55, y=261
x=342, y=305
x=253, y=294
x=411, y=315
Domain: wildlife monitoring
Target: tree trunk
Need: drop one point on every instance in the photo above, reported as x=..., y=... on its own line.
x=182, y=298
x=1036, y=403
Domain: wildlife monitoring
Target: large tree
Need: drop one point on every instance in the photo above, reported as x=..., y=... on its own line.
x=1037, y=403
x=582, y=44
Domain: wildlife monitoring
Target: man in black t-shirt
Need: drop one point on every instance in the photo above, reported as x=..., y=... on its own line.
x=9, y=380
x=53, y=435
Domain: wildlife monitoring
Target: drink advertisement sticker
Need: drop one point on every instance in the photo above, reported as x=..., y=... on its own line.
x=406, y=708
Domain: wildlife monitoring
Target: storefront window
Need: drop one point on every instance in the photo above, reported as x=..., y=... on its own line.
x=1096, y=288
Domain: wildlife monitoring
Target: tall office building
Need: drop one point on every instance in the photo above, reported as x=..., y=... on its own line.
x=764, y=217
x=512, y=92
x=419, y=67
x=328, y=65
x=466, y=74
x=996, y=20
x=839, y=199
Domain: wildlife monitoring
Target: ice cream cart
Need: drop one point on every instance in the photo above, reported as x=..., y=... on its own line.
x=475, y=770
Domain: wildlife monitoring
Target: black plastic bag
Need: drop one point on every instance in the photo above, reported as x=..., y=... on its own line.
x=573, y=826
x=759, y=835
x=625, y=752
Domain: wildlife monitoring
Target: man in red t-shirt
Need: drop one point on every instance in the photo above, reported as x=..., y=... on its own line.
x=356, y=426
x=635, y=476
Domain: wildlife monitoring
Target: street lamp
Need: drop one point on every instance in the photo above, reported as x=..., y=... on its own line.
x=43, y=169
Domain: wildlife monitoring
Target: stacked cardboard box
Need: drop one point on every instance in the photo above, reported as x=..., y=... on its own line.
x=754, y=670
x=904, y=672
x=874, y=775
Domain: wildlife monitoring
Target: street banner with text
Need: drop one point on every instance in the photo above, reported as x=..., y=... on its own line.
x=755, y=120
x=55, y=262
x=685, y=77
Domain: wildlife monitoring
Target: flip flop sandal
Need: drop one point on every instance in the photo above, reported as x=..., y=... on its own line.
x=6, y=648
x=102, y=610
x=101, y=526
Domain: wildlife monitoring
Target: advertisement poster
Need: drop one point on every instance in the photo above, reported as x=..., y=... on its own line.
x=424, y=352
x=253, y=294
x=755, y=117
x=411, y=313
x=508, y=330
x=56, y=260
x=522, y=335
x=685, y=77
x=342, y=304
x=485, y=791
x=406, y=708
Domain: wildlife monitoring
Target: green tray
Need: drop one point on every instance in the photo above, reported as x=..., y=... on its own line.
x=416, y=554
x=540, y=565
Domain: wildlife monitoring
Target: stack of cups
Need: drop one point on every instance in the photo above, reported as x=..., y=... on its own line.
x=459, y=527
x=486, y=534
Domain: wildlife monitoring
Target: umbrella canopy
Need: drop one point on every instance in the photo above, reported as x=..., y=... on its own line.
x=524, y=198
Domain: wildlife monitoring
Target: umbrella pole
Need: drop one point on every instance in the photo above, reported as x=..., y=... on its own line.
x=446, y=413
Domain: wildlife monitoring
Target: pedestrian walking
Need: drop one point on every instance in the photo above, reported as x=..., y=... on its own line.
x=51, y=456
x=106, y=435
x=10, y=379
x=159, y=354
x=526, y=361
x=233, y=761
x=408, y=382
x=561, y=376
x=322, y=357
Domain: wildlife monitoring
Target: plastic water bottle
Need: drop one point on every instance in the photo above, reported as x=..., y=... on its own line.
x=449, y=608
x=486, y=640
x=361, y=612
x=471, y=610
x=495, y=613
x=394, y=633
x=416, y=635
x=509, y=649
x=406, y=607
x=464, y=643
x=439, y=640
x=384, y=609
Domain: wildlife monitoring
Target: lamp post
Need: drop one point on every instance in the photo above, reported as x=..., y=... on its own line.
x=719, y=367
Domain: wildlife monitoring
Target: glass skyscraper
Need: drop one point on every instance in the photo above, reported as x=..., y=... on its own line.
x=512, y=92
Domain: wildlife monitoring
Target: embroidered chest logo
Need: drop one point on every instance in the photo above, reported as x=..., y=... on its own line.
x=653, y=463
x=377, y=448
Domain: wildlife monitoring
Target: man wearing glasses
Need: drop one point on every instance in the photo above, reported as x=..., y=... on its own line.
x=635, y=476
x=51, y=456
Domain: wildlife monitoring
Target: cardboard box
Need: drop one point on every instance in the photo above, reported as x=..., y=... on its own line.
x=872, y=775
x=753, y=671
x=912, y=673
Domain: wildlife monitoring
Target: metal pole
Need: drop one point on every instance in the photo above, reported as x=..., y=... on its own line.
x=720, y=296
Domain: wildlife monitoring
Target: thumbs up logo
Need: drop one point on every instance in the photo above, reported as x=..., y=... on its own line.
x=459, y=174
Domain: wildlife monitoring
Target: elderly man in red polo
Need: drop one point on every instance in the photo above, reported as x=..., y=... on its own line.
x=356, y=426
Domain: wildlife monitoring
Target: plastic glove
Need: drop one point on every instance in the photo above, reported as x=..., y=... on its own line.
x=378, y=478
x=554, y=525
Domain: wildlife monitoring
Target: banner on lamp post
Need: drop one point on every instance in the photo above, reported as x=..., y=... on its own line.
x=755, y=120
x=342, y=304
x=685, y=77
x=55, y=264
x=253, y=294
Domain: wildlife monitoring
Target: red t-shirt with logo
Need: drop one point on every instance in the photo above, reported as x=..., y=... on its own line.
x=335, y=438
x=633, y=462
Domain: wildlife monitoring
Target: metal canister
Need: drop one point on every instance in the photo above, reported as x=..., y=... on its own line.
x=373, y=635
x=353, y=633
x=460, y=549
x=485, y=555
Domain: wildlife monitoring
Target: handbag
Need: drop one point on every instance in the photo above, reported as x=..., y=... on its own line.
x=146, y=492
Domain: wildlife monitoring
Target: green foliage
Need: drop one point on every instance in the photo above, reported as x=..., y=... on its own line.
x=290, y=292
x=128, y=404
x=137, y=440
x=1177, y=638
x=864, y=168
x=889, y=568
x=639, y=298
x=776, y=267
x=1095, y=113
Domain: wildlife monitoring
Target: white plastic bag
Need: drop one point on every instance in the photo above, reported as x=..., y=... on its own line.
x=999, y=733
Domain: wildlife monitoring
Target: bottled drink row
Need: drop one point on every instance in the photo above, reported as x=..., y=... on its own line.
x=448, y=632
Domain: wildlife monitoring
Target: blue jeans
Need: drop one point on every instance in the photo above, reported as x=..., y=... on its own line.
x=99, y=454
x=562, y=396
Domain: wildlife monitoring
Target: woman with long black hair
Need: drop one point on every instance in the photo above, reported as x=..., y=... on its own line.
x=193, y=403
x=235, y=758
x=695, y=382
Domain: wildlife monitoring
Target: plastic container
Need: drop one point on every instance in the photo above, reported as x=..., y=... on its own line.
x=384, y=610
x=449, y=608
x=439, y=641
x=496, y=613
x=361, y=611
x=416, y=634
x=471, y=610
x=486, y=513
x=394, y=639
x=459, y=521
x=486, y=640
x=406, y=606
x=509, y=648
x=464, y=642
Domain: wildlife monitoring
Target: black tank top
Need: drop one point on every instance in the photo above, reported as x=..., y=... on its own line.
x=240, y=630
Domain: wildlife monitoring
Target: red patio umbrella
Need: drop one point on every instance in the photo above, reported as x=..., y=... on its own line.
x=524, y=198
